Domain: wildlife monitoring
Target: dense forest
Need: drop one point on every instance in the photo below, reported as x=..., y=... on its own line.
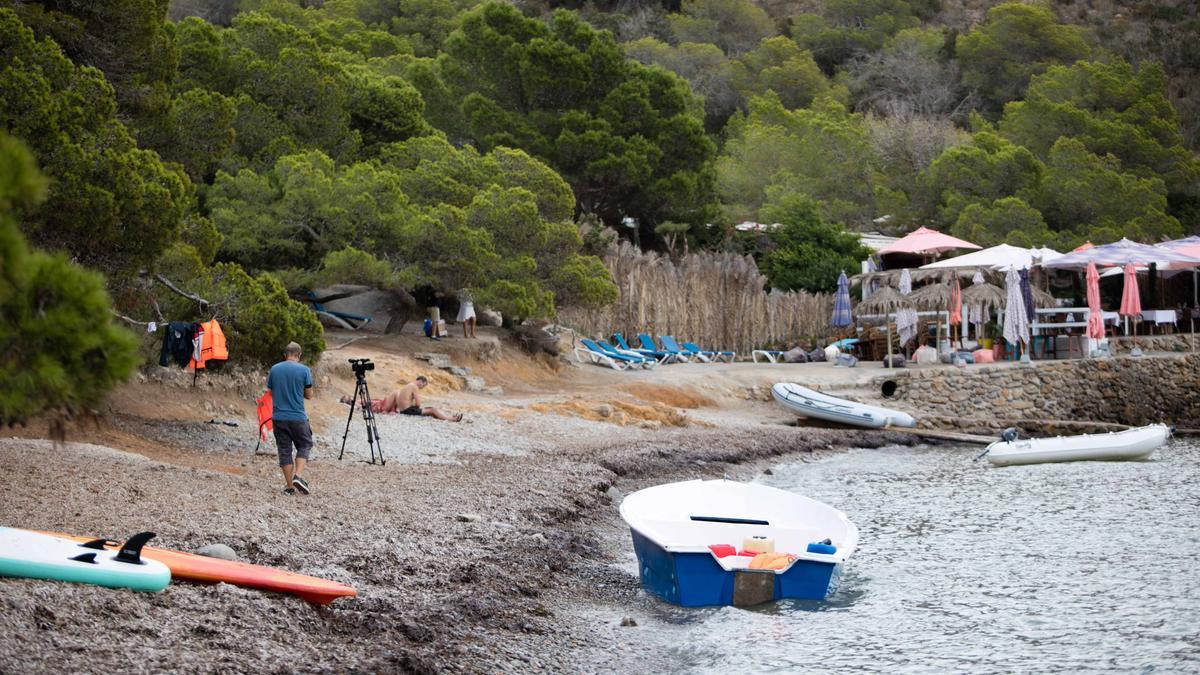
x=241, y=152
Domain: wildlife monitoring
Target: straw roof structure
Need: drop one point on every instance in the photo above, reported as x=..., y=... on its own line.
x=1042, y=299
x=934, y=297
x=984, y=295
x=892, y=277
x=886, y=300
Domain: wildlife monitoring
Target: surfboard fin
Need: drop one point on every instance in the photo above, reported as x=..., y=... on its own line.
x=131, y=550
x=86, y=557
x=98, y=544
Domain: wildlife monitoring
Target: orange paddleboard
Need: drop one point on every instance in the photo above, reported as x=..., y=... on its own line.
x=205, y=570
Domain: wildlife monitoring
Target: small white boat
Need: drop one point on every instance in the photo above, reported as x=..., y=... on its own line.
x=809, y=403
x=687, y=538
x=1138, y=443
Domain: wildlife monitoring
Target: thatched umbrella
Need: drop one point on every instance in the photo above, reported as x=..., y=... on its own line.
x=1042, y=298
x=934, y=297
x=885, y=301
x=986, y=297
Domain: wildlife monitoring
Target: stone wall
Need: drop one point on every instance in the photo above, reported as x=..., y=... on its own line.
x=1124, y=390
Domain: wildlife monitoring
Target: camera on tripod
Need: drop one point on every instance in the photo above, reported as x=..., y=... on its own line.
x=361, y=366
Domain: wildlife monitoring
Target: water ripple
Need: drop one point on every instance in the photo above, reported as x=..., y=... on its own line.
x=962, y=567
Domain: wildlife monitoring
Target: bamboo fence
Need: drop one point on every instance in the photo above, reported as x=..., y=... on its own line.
x=716, y=300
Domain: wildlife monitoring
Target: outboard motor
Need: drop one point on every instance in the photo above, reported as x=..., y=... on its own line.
x=1009, y=435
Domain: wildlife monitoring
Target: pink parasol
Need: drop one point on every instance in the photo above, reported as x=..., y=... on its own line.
x=1083, y=247
x=1131, y=302
x=924, y=240
x=1095, y=327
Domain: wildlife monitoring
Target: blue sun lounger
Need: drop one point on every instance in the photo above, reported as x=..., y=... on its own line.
x=661, y=356
x=711, y=354
x=647, y=361
x=648, y=343
x=596, y=354
x=669, y=343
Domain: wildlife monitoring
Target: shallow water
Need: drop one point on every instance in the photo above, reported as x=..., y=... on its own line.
x=962, y=567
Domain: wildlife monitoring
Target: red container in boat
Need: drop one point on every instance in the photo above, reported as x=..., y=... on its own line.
x=722, y=550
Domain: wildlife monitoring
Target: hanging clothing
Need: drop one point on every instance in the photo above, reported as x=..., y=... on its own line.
x=266, y=404
x=177, y=344
x=197, y=343
x=212, y=345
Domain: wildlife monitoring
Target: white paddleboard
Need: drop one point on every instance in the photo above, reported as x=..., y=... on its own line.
x=40, y=556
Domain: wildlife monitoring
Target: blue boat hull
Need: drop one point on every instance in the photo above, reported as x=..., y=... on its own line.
x=697, y=580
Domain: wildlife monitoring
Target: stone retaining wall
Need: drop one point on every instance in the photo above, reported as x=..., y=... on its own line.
x=1124, y=390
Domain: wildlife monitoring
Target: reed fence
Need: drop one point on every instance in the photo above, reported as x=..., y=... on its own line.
x=716, y=300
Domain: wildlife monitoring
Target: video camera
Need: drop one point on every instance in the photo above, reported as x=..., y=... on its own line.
x=361, y=366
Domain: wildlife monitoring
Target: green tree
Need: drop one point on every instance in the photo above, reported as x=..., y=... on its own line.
x=707, y=69
x=807, y=254
x=846, y=29
x=988, y=168
x=822, y=152
x=1009, y=220
x=1016, y=42
x=732, y=25
x=67, y=114
x=1112, y=110
x=62, y=351
x=628, y=139
x=778, y=64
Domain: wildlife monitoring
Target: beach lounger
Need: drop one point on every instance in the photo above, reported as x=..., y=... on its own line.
x=669, y=343
x=661, y=356
x=594, y=354
x=648, y=343
x=771, y=355
x=647, y=361
x=343, y=319
x=691, y=346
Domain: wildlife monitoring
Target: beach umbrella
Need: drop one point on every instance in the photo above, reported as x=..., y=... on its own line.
x=956, y=308
x=1016, y=321
x=925, y=241
x=1026, y=293
x=1121, y=253
x=1131, y=301
x=933, y=297
x=999, y=257
x=1083, y=247
x=1095, y=327
x=885, y=301
x=842, y=315
x=906, y=319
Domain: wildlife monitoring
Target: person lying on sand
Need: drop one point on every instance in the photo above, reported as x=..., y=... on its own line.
x=407, y=401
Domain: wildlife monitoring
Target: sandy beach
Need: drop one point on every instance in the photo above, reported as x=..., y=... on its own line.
x=480, y=546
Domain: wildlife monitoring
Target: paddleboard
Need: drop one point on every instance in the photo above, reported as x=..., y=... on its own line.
x=36, y=555
x=205, y=570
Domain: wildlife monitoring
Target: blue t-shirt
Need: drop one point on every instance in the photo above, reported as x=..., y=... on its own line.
x=287, y=382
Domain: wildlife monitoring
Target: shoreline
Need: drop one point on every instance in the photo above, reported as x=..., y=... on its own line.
x=491, y=545
x=492, y=555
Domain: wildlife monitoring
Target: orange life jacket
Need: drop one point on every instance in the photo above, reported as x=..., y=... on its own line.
x=266, y=404
x=212, y=345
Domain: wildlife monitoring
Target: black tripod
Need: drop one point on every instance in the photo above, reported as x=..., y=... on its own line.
x=362, y=399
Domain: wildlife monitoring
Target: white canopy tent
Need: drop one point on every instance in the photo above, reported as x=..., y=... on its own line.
x=1001, y=258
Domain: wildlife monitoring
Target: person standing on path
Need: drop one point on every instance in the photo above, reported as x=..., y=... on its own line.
x=466, y=313
x=290, y=383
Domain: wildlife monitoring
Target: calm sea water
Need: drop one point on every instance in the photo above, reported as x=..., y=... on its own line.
x=962, y=567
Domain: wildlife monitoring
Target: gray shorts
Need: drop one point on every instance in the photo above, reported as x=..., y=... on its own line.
x=289, y=433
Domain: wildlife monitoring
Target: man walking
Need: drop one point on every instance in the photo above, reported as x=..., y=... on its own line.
x=290, y=383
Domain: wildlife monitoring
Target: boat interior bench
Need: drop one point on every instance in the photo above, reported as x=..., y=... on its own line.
x=698, y=535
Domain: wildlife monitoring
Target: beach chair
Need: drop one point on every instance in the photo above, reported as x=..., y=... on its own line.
x=648, y=343
x=669, y=343
x=771, y=355
x=343, y=319
x=594, y=354
x=714, y=355
x=661, y=356
x=646, y=361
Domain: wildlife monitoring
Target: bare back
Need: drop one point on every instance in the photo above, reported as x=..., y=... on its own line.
x=407, y=396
